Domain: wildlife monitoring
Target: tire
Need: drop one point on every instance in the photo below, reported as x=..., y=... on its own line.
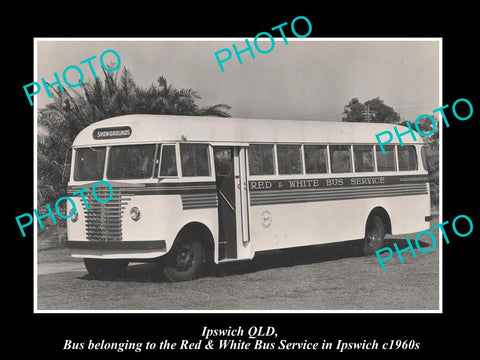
x=185, y=261
x=105, y=269
x=374, y=235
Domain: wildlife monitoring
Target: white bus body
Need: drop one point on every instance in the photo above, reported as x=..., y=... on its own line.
x=223, y=189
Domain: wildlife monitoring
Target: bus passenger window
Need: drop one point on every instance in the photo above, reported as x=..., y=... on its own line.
x=289, y=159
x=363, y=155
x=168, y=162
x=223, y=162
x=195, y=160
x=386, y=162
x=407, y=158
x=424, y=158
x=260, y=159
x=315, y=159
x=340, y=158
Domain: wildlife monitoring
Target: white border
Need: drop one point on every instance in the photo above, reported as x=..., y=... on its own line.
x=440, y=216
x=440, y=177
x=35, y=176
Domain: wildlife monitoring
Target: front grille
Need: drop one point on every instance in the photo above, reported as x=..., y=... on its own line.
x=104, y=220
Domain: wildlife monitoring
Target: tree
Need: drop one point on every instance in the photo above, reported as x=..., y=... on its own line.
x=432, y=145
x=381, y=113
x=355, y=111
x=72, y=110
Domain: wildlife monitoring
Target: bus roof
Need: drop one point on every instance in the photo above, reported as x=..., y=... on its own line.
x=166, y=128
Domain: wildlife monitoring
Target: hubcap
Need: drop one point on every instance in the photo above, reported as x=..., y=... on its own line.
x=184, y=257
x=373, y=237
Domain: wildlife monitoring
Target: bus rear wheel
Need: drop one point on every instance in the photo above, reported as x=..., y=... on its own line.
x=374, y=235
x=185, y=261
x=105, y=269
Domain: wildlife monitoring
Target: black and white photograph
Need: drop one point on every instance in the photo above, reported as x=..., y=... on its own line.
x=182, y=177
x=229, y=184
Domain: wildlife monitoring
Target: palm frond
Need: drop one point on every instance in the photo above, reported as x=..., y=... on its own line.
x=162, y=82
x=72, y=110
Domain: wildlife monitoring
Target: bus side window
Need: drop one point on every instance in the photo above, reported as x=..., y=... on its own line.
x=315, y=159
x=340, y=158
x=223, y=162
x=407, y=158
x=260, y=159
x=363, y=155
x=289, y=159
x=195, y=160
x=424, y=158
x=168, y=161
x=386, y=162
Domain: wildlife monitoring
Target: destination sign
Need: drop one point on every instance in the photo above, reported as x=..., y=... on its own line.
x=112, y=133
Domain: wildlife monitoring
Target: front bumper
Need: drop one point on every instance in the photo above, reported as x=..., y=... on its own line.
x=158, y=245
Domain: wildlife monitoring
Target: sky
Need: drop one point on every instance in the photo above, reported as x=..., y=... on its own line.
x=310, y=78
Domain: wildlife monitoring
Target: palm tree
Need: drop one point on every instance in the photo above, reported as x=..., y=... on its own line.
x=74, y=109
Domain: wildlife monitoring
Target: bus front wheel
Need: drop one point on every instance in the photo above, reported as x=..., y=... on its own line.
x=105, y=269
x=374, y=235
x=185, y=260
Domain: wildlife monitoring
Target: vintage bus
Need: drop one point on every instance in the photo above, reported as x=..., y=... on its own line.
x=189, y=191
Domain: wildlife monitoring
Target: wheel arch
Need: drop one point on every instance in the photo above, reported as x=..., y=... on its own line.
x=201, y=231
x=383, y=215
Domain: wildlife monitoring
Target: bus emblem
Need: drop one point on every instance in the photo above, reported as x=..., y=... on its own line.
x=266, y=218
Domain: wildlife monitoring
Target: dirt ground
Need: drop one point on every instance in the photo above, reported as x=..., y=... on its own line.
x=311, y=278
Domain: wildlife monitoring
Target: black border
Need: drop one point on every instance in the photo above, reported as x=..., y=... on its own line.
x=438, y=333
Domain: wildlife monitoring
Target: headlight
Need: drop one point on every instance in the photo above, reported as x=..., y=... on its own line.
x=74, y=217
x=135, y=213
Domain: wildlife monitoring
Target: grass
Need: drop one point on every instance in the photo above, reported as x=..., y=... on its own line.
x=311, y=278
x=319, y=280
x=58, y=254
x=52, y=236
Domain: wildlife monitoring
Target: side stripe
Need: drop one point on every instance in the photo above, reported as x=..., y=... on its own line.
x=199, y=201
x=288, y=197
x=193, y=195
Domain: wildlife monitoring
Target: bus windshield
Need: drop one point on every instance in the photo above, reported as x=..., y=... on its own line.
x=89, y=163
x=131, y=162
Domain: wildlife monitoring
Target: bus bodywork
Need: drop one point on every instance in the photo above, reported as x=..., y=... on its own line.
x=188, y=180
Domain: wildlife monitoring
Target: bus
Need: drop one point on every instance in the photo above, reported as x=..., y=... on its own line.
x=189, y=191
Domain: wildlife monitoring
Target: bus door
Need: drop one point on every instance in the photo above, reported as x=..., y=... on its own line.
x=231, y=183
